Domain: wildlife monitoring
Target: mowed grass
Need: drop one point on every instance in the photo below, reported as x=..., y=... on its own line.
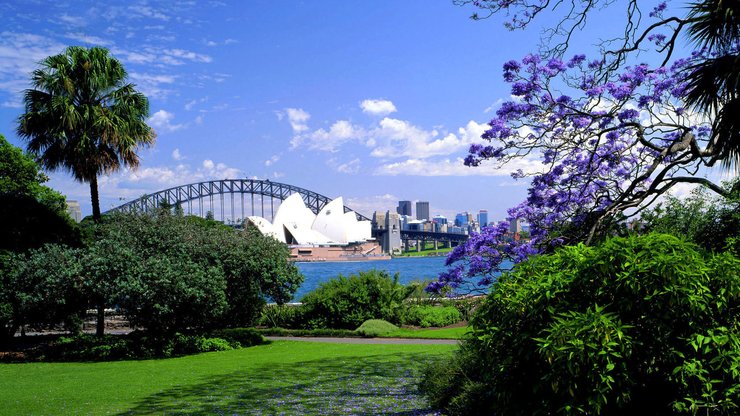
x=437, y=333
x=279, y=378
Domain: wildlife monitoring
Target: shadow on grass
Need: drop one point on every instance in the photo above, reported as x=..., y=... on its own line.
x=369, y=385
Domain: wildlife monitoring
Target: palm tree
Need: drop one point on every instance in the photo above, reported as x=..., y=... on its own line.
x=84, y=117
x=714, y=84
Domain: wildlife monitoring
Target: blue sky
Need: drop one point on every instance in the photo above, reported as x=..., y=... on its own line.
x=375, y=101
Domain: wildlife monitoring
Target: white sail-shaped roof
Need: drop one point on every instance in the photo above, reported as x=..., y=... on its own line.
x=264, y=226
x=294, y=223
x=292, y=210
x=330, y=221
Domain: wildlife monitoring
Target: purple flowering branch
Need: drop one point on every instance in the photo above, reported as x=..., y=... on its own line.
x=605, y=148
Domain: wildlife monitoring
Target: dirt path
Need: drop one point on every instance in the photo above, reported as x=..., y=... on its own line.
x=419, y=341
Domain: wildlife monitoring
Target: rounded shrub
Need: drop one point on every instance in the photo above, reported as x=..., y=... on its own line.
x=638, y=325
x=375, y=327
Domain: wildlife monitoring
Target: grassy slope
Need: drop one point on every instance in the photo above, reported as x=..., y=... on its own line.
x=290, y=377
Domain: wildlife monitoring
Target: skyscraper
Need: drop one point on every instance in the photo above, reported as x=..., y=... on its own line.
x=422, y=210
x=483, y=218
x=404, y=208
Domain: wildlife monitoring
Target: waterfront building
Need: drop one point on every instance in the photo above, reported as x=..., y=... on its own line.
x=422, y=210
x=439, y=219
x=404, y=208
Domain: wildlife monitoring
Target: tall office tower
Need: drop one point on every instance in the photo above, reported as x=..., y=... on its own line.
x=515, y=226
x=73, y=208
x=483, y=218
x=461, y=219
x=404, y=208
x=422, y=210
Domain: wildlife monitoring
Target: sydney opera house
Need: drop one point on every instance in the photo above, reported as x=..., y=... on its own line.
x=330, y=235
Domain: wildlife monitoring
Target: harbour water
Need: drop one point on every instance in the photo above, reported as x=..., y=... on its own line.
x=408, y=268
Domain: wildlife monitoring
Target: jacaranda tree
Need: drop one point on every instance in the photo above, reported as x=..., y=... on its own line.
x=84, y=117
x=612, y=137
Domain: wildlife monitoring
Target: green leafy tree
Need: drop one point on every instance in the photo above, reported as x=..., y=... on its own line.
x=171, y=273
x=84, y=117
x=31, y=214
x=706, y=220
x=41, y=288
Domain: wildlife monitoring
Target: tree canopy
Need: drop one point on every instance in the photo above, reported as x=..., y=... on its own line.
x=83, y=116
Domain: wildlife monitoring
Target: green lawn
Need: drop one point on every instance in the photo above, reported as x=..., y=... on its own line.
x=443, y=333
x=279, y=378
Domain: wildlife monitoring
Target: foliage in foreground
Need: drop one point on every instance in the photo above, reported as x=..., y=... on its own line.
x=347, y=302
x=639, y=325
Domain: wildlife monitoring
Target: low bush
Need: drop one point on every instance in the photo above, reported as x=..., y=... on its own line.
x=375, y=327
x=638, y=325
x=347, y=302
x=137, y=345
x=246, y=337
x=323, y=332
x=281, y=316
x=427, y=316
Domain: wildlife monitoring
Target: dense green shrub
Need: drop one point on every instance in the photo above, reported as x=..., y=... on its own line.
x=281, y=316
x=246, y=337
x=426, y=316
x=639, y=325
x=375, y=327
x=137, y=345
x=320, y=332
x=40, y=289
x=347, y=302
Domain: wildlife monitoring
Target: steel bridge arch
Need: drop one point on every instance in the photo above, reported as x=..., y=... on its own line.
x=184, y=194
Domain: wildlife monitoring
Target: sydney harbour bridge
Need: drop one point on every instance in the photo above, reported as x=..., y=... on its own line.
x=231, y=201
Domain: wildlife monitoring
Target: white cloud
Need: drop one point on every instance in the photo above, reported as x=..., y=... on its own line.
x=72, y=20
x=208, y=164
x=378, y=107
x=271, y=161
x=297, y=118
x=177, y=155
x=146, y=11
x=90, y=40
x=20, y=54
x=456, y=167
x=330, y=140
x=162, y=120
x=151, y=85
x=350, y=167
x=367, y=205
x=188, y=55
x=399, y=138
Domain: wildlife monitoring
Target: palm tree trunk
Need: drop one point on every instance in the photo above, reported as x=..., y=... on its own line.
x=95, y=198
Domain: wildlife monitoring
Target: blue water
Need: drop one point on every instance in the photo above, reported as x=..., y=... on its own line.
x=409, y=269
